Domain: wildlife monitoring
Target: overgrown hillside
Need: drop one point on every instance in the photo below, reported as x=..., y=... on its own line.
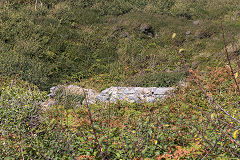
x=114, y=42
x=99, y=44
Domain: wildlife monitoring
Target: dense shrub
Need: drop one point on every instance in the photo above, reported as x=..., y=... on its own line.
x=20, y=117
x=26, y=69
x=59, y=41
x=184, y=125
x=162, y=79
x=123, y=130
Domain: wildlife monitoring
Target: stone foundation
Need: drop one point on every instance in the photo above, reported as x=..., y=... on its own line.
x=112, y=94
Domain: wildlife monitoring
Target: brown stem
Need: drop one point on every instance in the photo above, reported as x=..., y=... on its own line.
x=20, y=141
x=92, y=125
x=228, y=57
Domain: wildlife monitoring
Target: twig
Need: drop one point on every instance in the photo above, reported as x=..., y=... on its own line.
x=20, y=141
x=36, y=2
x=91, y=121
x=228, y=57
x=109, y=112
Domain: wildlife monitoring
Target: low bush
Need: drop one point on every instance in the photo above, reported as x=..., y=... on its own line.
x=185, y=125
x=162, y=79
x=60, y=41
x=116, y=131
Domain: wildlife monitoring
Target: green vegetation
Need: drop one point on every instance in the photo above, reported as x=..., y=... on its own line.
x=184, y=126
x=54, y=42
x=98, y=44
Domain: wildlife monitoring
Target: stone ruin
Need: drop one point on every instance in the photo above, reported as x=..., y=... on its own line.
x=112, y=94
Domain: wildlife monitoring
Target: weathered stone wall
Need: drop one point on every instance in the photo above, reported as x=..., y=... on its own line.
x=112, y=94
x=132, y=94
